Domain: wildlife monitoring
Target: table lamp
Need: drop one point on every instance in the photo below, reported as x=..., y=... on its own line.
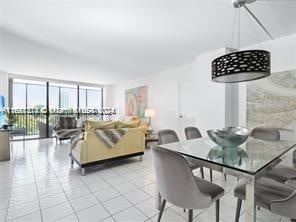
x=149, y=113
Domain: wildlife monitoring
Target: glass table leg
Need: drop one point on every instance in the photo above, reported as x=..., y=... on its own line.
x=250, y=203
x=158, y=200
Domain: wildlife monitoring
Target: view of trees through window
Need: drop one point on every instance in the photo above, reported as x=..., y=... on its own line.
x=29, y=102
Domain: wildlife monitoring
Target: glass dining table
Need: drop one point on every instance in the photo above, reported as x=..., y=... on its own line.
x=248, y=162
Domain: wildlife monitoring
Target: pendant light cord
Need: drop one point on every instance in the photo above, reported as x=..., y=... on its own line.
x=238, y=31
x=254, y=30
x=232, y=30
x=257, y=20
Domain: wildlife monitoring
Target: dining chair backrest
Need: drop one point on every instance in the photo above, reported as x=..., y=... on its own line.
x=176, y=182
x=265, y=133
x=192, y=132
x=167, y=136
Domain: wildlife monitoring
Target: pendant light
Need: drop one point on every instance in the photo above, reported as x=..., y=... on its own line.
x=242, y=66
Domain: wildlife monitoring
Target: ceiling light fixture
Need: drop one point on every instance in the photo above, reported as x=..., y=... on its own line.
x=245, y=65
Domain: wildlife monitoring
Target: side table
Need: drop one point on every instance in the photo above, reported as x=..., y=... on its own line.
x=5, y=146
x=151, y=137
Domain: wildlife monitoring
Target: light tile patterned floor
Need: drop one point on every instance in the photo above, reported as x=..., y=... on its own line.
x=38, y=184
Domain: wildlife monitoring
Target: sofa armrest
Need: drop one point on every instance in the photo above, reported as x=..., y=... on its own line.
x=56, y=127
x=79, y=151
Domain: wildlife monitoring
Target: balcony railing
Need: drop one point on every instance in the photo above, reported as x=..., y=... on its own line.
x=34, y=123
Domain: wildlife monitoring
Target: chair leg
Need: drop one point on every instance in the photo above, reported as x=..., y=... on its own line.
x=211, y=175
x=217, y=210
x=225, y=178
x=238, y=209
x=161, y=210
x=82, y=171
x=190, y=215
x=202, y=172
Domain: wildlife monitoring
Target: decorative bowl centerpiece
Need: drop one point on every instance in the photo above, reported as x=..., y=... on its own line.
x=228, y=155
x=229, y=136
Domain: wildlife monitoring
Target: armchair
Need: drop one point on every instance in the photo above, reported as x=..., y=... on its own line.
x=66, y=128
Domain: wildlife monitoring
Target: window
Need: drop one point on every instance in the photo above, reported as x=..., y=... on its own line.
x=54, y=95
x=19, y=95
x=94, y=99
x=68, y=98
x=36, y=96
x=28, y=94
x=90, y=97
x=29, y=98
x=62, y=96
x=64, y=99
x=82, y=98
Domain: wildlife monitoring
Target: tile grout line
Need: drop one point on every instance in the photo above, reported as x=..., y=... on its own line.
x=35, y=181
x=122, y=195
x=119, y=196
x=31, y=164
x=10, y=191
x=63, y=191
x=97, y=198
x=28, y=184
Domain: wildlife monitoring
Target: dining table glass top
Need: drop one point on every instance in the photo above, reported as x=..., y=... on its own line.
x=250, y=157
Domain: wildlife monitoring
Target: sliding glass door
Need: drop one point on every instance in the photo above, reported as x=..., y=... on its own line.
x=63, y=101
x=90, y=102
x=28, y=111
x=37, y=105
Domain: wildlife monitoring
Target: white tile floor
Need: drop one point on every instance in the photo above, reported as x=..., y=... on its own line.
x=38, y=184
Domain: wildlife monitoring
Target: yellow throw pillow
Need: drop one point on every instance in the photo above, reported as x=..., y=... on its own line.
x=133, y=118
x=144, y=126
x=93, y=125
x=127, y=124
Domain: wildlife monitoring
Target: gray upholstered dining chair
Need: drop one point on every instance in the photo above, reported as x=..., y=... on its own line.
x=266, y=133
x=177, y=184
x=272, y=195
x=191, y=133
x=280, y=172
x=170, y=136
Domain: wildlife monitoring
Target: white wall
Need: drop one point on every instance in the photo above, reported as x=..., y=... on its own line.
x=4, y=85
x=210, y=114
x=283, y=58
x=163, y=94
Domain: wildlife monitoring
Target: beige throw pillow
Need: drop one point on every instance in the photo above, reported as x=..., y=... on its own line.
x=127, y=124
x=94, y=125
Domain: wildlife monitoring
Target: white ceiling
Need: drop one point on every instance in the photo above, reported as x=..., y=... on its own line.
x=125, y=39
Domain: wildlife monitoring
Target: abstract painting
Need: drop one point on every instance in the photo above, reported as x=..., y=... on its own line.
x=136, y=101
x=271, y=102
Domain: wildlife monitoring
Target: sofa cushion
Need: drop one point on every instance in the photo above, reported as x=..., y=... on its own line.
x=93, y=125
x=127, y=124
x=144, y=126
x=134, y=118
x=67, y=122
